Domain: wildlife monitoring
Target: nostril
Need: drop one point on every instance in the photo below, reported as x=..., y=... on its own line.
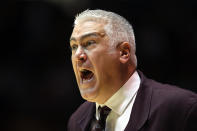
x=82, y=57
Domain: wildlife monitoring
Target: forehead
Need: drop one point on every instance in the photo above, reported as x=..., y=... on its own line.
x=88, y=27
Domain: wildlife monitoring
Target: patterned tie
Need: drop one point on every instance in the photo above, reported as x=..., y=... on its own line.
x=99, y=125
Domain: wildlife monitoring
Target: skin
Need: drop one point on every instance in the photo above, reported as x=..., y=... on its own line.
x=111, y=66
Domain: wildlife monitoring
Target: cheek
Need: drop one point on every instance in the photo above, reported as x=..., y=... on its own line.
x=106, y=67
x=100, y=66
x=72, y=58
x=73, y=63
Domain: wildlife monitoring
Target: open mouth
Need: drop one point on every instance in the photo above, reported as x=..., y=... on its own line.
x=86, y=74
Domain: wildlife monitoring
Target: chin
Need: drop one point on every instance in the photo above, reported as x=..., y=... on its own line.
x=89, y=94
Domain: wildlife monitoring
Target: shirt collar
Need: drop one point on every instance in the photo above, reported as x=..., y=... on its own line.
x=121, y=99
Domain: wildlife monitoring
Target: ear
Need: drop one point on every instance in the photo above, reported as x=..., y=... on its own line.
x=124, y=49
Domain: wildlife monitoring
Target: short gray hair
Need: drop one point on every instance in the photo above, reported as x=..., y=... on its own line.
x=117, y=28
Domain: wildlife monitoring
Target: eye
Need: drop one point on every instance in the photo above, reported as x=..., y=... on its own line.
x=90, y=42
x=74, y=47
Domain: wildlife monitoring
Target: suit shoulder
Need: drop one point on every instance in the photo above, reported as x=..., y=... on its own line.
x=173, y=96
x=170, y=105
x=165, y=91
x=173, y=92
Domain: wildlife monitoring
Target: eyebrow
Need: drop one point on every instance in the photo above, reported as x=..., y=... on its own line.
x=88, y=35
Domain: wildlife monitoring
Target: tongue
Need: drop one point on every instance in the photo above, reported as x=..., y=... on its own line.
x=87, y=75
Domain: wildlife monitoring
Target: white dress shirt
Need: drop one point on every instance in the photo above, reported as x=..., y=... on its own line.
x=121, y=104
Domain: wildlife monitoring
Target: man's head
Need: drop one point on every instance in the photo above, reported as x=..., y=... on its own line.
x=103, y=53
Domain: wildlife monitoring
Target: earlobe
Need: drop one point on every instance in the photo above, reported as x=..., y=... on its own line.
x=124, y=49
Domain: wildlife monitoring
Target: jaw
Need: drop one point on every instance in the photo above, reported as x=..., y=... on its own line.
x=90, y=89
x=89, y=93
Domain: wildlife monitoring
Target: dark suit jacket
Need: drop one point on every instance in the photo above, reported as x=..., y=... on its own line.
x=157, y=107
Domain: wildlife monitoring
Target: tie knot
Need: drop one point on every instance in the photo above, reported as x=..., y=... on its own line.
x=104, y=111
x=99, y=125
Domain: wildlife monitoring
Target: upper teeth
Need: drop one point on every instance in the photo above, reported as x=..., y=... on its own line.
x=84, y=70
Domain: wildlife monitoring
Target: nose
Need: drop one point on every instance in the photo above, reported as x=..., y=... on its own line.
x=80, y=55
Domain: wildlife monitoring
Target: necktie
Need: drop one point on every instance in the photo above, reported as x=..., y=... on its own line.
x=99, y=125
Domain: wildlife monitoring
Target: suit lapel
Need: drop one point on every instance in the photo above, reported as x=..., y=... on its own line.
x=141, y=107
x=86, y=118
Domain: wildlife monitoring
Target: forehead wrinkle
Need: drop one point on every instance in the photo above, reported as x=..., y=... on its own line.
x=86, y=35
x=95, y=34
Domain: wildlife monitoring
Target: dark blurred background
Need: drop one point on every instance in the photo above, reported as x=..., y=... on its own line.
x=38, y=91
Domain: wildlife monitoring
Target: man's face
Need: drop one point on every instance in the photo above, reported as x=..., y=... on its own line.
x=95, y=62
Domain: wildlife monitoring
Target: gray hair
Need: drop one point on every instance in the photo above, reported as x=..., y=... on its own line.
x=117, y=28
